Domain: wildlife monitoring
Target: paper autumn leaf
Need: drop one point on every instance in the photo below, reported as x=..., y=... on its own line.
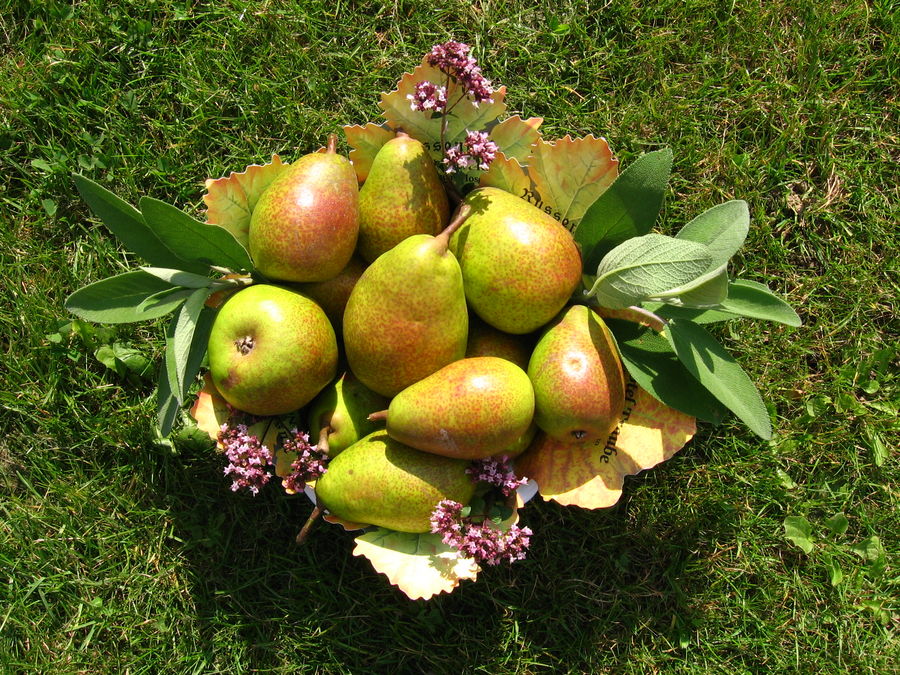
x=515, y=136
x=420, y=565
x=426, y=127
x=365, y=142
x=591, y=475
x=210, y=411
x=506, y=174
x=230, y=201
x=569, y=174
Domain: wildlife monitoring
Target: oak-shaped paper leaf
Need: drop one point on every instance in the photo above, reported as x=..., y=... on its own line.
x=570, y=174
x=506, y=173
x=591, y=475
x=426, y=126
x=420, y=565
x=515, y=137
x=210, y=411
x=230, y=200
x=365, y=142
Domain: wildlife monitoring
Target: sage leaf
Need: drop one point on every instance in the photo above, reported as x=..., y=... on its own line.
x=167, y=405
x=650, y=360
x=128, y=225
x=706, y=291
x=119, y=299
x=723, y=229
x=180, y=277
x=644, y=266
x=667, y=311
x=755, y=300
x=194, y=241
x=798, y=531
x=628, y=208
x=186, y=342
x=717, y=370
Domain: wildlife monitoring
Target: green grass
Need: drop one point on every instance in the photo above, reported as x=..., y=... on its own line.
x=120, y=555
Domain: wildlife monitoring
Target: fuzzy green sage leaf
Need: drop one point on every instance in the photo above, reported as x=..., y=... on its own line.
x=186, y=342
x=643, y=267
x=120, y=299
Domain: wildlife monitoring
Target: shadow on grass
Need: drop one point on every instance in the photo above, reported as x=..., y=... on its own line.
x=596, y=586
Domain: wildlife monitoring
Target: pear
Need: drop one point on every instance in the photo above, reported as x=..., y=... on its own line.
x=406, y=317
x=520, y=266
x=380, y=481
x=271, y=350
x=305, y=225
x=402, y=196
x=343, y=407
x=579, y=385
x=485, y=340
x=332, y=294
x=470, y=409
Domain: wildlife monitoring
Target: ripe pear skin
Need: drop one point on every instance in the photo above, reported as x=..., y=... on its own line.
x=271, y=350
x=579, y=384
x=332, y=294
x=380, y=481
x=406, y=317
x=402, y=196
x=520, y=266
x=344, y=406
x=470, y=409
x=305, y=225
x=485, y=340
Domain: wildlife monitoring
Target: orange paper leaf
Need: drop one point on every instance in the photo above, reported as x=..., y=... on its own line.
x=210, y=410
x=569, y=174
x=420, y=565
x=426, y=127
x=365, y=142
x=230, y=201
x=591, y=475
x=507, y=174
x=515, y=136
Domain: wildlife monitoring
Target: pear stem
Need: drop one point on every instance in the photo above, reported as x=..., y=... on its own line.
x=331, y=148
x=379, y=416
x=307, y=526
x=443, y=239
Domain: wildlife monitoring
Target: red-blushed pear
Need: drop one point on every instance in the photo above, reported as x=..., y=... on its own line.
x=271, y=350
x=402, y=196
x=380, y=481
x=406, y=317
x=520, y=266
x=332, y=294
x=343, y=408
x=579, y=385
x=470, y=409
x=305, y=225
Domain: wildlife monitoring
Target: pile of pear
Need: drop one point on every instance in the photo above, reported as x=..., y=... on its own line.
x=412, y=340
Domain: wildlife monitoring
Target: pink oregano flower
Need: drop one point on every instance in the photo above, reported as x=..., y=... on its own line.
x=496, y=471
x=428, y=96
x=453, y=58
x=310, y=462
x=248, y=458
x=479, y=152
x=481, y=541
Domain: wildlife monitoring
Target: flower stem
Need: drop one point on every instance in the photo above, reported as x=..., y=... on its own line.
x=307, y=526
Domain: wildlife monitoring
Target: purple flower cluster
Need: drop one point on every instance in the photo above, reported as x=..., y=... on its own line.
x=428, y=96
x=310, y=462
x=479, y=152
x=496, y=471
x=248, y=458
x=453, y=58
x=481, y=541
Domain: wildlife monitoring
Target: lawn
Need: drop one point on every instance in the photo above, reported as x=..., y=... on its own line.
x=123, y=553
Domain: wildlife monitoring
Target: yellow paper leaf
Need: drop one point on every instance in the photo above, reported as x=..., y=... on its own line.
x=569, y=174
x=210, y=410
x=591, y=475
x=230, y=200
x=420, y=565
x=426, y=127
x=505, y=173
x=365, y=142
x=515, y=136
x=346, y=524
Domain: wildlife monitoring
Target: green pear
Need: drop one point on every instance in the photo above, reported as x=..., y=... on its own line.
x=520, y=266
x=305, y=225
x=579, y=385
x=343, y=407
x=406, y=317
x=470, y=409
x=402, y=196
x=485, y=340
x=271, y=350
x=332, y=294
x=380, y=481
